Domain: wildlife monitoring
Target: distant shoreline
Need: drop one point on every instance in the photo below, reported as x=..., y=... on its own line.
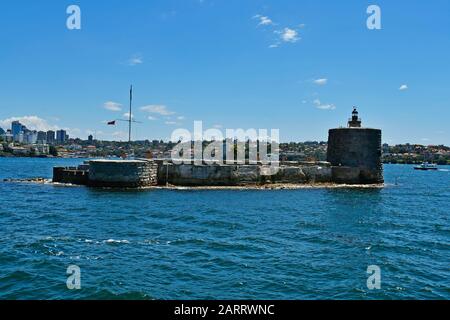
x=61, y=157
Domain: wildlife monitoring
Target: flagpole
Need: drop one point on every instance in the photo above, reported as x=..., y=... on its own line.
x=129, y=117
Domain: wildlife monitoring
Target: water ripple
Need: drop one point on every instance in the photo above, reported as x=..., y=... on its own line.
x=223, y=244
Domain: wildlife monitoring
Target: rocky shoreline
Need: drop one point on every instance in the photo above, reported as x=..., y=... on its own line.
x=273, y=186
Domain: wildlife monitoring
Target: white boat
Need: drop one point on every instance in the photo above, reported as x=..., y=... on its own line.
x=426, y=166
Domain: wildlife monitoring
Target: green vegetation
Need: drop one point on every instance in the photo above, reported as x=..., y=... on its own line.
x=413, y=154
x=53, y=151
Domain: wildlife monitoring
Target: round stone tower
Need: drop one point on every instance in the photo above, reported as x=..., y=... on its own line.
x=355, y=153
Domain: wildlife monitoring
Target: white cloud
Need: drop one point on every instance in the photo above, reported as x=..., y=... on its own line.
x=285, y=35
x=218, y=126
x=326, y=107
x=112, y=106
x=171, y=123
x=152, y=118
x=31, y=122
x=321, y=82
x=263, y=20
x=321, y=106
x=135, y=60
x=127, y=115
x=180, y=118
x=289, y=35
x=38, y=124
x=403, y=87
x=158, y=109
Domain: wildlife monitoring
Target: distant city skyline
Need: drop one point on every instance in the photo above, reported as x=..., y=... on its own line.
x=19, y=132
x=297, y=66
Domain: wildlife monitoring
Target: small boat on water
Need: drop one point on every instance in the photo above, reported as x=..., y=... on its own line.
x=426, y=166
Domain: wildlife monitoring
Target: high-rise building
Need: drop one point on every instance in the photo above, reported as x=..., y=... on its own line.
x=30, y=136
x=7, y=136
x=61, y=136
x=42, y=137
x=18, y=137
x=90, y=138
x=50, y=136
x=16, y=129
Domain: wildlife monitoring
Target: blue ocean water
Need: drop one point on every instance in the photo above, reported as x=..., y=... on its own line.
x=224, y=244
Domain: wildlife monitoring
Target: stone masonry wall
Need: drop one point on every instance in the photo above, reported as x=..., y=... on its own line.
x=127, y=174
x=358, y=150
x=236, y=175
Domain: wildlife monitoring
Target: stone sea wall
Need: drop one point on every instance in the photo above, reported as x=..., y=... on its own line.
x=70, y=175
x=238, y=175
x=146, y=173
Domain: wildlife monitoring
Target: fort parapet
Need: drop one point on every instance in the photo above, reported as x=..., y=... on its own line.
x=147, y=173
x=241, y=174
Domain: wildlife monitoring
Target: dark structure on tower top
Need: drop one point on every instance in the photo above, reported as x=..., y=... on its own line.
x=355, y=121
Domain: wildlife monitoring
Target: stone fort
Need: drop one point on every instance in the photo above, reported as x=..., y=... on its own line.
x=353, y=157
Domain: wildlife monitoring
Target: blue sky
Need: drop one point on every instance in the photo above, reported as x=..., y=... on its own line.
x=298, y=66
